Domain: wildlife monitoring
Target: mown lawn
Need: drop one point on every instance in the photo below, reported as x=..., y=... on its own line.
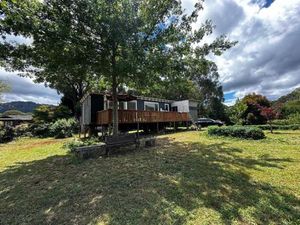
x=189, y=178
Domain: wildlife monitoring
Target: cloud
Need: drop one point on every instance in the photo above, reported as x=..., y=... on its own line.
x=267, y=58
x=24, y=89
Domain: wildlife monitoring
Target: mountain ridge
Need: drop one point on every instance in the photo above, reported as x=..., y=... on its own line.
x=23, y=106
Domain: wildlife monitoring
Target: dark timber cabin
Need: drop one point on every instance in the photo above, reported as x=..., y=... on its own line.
x=145, y=113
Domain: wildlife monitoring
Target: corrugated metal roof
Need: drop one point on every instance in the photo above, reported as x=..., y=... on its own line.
x=16, y=118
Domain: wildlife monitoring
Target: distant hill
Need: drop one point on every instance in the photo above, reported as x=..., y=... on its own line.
x=26, y=107
x=293, y=96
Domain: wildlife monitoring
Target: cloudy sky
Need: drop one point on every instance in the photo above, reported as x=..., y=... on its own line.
x=266, y=59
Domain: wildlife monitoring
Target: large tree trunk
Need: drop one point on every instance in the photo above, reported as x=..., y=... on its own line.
x=115, y=106
x=114, y=91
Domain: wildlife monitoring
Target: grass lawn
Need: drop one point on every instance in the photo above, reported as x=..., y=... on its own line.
x=189, y=178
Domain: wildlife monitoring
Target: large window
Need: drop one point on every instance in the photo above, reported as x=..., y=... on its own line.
x=121, y=105
x=132, y=105
x=151, y=106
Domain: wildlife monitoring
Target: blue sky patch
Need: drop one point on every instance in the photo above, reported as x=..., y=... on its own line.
x=263, y=3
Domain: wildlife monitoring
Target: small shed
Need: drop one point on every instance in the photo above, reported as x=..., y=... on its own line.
x=14, y=120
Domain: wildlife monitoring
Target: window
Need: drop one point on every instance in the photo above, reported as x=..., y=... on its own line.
x=151, y=106
x=132, y=105
x=109, y=104
x=122, y=105
x=167, y=107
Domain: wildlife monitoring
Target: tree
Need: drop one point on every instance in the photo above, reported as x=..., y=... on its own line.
x=269, y=114
x=254, y=103
x=3, y=88
x=43, y=114
x=237, y=111
x=124, y=42
x=290, y=108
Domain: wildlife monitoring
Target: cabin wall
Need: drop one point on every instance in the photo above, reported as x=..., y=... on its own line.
x=193, y=108
x=182, y=106
x=97, y=104
x=161, y=105
x=90, y=106
x=86, y=111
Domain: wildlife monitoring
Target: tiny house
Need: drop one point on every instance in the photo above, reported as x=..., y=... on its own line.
x=145, y=112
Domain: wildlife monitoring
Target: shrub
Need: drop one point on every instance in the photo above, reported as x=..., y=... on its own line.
x=6, y=134
x=237, y=131
x=22, y=130
x=40, y=130
x=80, y=143
x=294, y=118
x=279, y=127
x=63, y=128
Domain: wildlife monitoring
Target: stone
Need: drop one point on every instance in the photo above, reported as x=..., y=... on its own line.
x=92, y=151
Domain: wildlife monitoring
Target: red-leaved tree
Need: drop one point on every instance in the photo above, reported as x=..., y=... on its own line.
x=269, y=114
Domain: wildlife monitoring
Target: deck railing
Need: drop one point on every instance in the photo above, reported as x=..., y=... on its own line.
x=134, y=116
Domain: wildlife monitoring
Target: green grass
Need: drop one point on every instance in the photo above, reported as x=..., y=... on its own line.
x=189, y=178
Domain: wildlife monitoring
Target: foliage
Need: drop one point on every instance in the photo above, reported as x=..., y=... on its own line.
x=61, y=112
x=22, y=130
x=291, y=107
x=254, y=104
x=279, y=127
x=6, y=134
x=237, y=131
x=269, y=114
x=125, y=42
x=75, y=143
x=236, y=112
x=47, y=114
x=294, y=118
x=63, y=128
x=43, y=114
x=40, y=130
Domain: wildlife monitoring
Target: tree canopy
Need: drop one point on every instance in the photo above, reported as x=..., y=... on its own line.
x=75, y=44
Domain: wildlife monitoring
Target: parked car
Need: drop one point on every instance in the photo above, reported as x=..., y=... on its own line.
x=205, y=122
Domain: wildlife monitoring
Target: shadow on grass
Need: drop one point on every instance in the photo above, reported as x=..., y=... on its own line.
x=165, y=185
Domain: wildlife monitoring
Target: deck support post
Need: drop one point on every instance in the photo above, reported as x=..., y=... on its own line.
x=157, y=127
x=138, y=130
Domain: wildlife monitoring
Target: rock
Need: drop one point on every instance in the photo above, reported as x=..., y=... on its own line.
x=92, y=151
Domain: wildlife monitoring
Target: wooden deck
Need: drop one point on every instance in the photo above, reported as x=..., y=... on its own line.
x=134, y=116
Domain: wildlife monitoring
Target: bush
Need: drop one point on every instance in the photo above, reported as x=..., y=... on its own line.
x=294, y=118
x=237, y=131
x=291, y=120
x=63, y=128
x=6, y=134
x=72, y=145
x=40, y=130
x=22, y=130
x=279, y=127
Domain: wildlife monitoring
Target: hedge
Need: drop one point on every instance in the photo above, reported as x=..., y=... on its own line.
x=238, y=132
x=279, y=127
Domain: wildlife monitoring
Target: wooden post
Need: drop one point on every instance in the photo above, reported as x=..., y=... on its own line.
x=138, y=127
x=157, y=127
